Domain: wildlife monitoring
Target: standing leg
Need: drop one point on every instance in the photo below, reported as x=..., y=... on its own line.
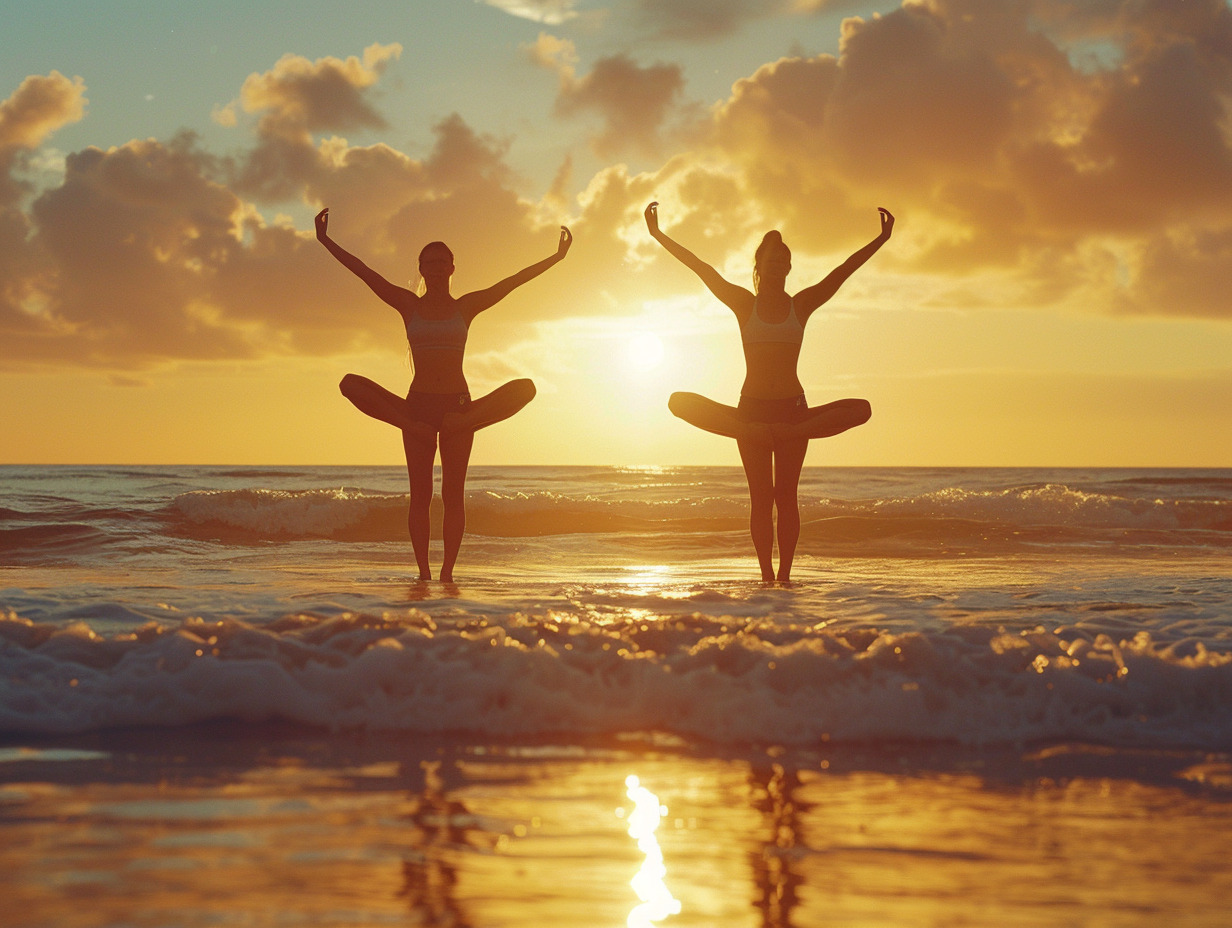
x=759, y=471
x=420, y=454
x=455, y=456
x=788, y=461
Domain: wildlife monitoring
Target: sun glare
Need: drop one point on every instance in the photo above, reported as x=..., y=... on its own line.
x=645, y=350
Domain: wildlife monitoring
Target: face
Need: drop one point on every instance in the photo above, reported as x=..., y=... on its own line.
x=436, y=262
x=775, y=261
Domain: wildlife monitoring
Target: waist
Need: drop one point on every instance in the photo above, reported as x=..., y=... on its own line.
x=772, y=409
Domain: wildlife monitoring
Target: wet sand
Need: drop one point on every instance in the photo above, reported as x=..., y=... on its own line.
x=275, y=825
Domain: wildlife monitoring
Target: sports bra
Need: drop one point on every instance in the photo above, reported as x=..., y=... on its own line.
x=757, y=330
x=448, y=333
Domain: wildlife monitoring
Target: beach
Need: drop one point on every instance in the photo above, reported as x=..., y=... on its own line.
x=988, y=696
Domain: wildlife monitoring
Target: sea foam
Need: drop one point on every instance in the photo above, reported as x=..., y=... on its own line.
x=698, y=677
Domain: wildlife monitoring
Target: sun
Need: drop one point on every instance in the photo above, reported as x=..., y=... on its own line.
x=645, y=351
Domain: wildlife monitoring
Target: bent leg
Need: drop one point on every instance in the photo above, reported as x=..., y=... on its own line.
x=759, y=471
x=788, y=461
x=455, y=457
x=419, y=457
x=827, y=420
x=710, y=416
x=495, y=407
x=370, y=398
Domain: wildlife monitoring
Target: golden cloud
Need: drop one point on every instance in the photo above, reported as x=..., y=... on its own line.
x=1077, y=156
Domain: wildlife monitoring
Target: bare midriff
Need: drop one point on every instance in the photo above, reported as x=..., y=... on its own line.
x=771, y=371
x=438, y=370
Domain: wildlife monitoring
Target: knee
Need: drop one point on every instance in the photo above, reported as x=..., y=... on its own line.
x=786, y=502
x=761, y=503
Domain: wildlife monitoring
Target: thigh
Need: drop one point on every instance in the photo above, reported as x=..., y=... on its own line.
x=788, y=462
x=370, y=398
x=420, y=456
x=455, y=458
x=758, y=461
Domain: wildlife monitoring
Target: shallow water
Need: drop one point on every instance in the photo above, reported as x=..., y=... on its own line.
x=987, y=697
x=282, y=827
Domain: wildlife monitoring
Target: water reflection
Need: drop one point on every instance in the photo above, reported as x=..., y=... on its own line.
x=773, y=794
x=657, y=900
x=440, y=826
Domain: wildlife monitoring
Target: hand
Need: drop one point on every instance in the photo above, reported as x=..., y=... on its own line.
x=887, y=221
x=652, y=218
x=322, y=224
x=566, y=239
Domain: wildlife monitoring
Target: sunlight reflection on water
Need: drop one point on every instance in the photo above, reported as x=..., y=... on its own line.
x=657, y=900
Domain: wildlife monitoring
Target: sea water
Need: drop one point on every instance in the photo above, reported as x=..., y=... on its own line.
x=987, y=696
x=983, y=606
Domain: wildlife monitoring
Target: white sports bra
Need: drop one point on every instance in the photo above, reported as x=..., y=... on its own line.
x=757, y=330
x=423, y=332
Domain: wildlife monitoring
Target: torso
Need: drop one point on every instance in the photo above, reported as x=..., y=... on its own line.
x=772, y=349
x=438, y=342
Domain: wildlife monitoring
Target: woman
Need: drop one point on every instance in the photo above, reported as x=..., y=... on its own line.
x=439, y=403
x=773, y=423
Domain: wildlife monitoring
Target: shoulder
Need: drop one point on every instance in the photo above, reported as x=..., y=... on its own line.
x=741, y=301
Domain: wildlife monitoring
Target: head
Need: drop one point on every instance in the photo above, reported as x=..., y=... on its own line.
x=772, y=260
x=436, y=260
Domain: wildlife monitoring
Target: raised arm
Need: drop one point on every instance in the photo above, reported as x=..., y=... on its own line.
x=477, y=301
x=729, y=293
x=812, y=297
x=392, y=294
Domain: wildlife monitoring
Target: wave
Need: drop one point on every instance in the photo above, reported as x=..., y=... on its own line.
x=1017, y=516
x=716, y=679
x=34, y=543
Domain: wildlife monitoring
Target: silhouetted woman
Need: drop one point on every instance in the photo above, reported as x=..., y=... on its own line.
x=439, y=402
x=773, y=423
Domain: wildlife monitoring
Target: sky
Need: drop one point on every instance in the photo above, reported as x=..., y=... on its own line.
x=1056, y=291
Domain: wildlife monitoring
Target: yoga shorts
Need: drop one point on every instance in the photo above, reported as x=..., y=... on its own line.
x=786, y=409
x=432, y=407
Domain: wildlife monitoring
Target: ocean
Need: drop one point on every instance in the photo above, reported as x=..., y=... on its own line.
x=987, y=695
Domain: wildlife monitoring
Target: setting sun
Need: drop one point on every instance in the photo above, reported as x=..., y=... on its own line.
x=645, y=351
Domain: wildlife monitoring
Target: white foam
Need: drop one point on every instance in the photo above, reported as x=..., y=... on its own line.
x=538, y=676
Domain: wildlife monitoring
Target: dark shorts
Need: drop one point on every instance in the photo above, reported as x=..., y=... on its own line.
x=787, y=409
x=431, y=407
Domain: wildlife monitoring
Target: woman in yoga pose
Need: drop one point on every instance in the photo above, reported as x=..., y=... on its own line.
x=773, y=423
x=439, y=403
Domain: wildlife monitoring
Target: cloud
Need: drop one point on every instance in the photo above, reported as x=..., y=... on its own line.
x=711, y=20
x=296, y=100
x=1037, y=153
x=149, y=252
x=699, y=20
x=549, y=12
x=1002, y=142
x=634, y=102
x=39, y=107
